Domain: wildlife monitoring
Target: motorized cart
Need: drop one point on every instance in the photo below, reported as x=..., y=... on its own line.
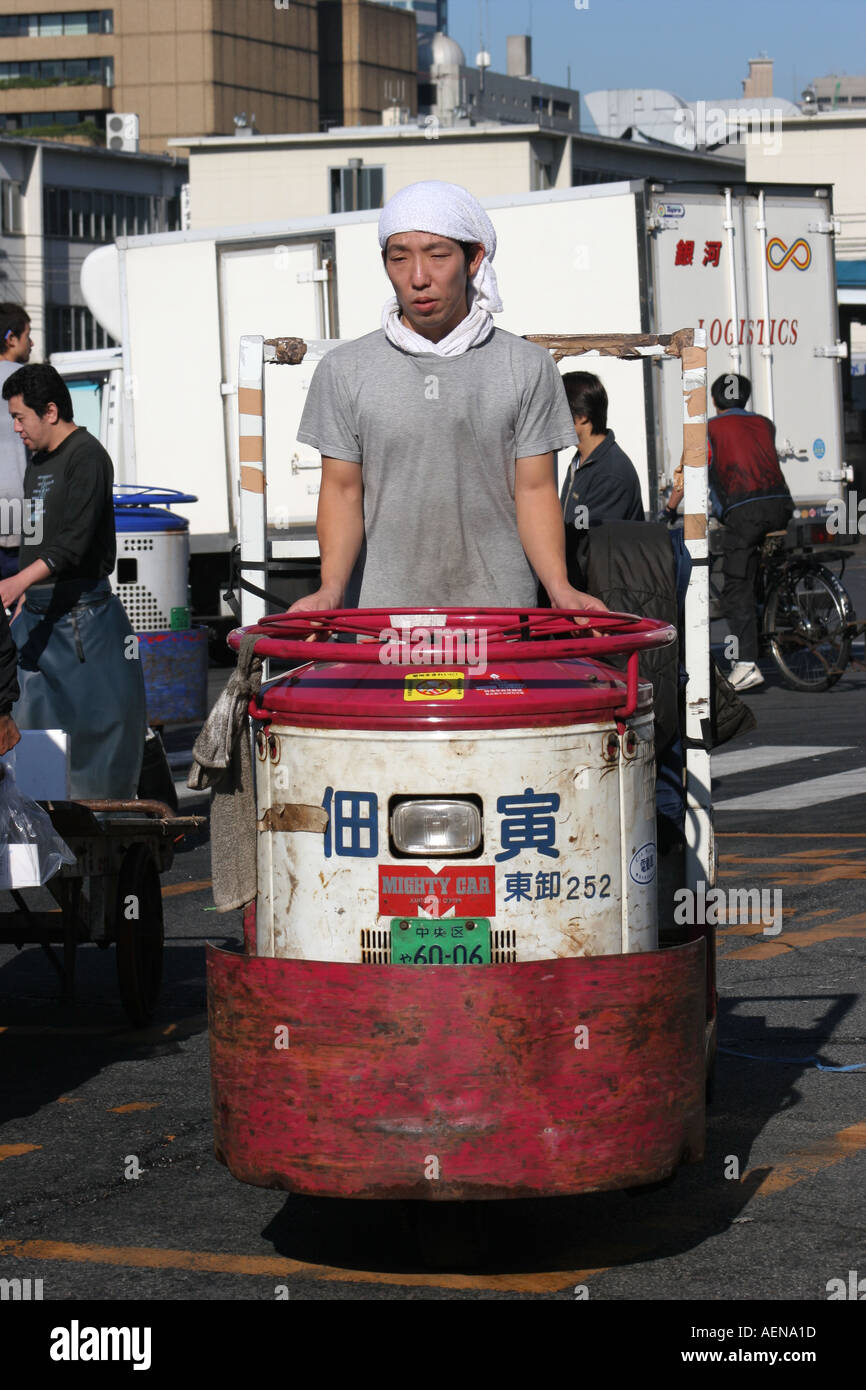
x=452, y=984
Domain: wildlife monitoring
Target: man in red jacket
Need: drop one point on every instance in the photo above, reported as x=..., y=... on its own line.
x=749, y=493
x=753, y=498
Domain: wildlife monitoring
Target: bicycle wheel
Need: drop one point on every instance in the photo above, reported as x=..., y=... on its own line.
x=805, y=622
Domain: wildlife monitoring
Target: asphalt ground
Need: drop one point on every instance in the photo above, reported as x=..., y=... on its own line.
x=774, y=1212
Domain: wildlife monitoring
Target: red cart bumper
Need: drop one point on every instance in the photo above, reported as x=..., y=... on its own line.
x=539, y=1079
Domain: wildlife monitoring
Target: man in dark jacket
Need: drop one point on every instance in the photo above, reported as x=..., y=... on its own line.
x=78, y=665
x=602, y=483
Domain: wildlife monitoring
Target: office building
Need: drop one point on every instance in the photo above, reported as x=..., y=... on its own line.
x=367, y=63
x=58, y=202
x=431, y=17
x=185, y=65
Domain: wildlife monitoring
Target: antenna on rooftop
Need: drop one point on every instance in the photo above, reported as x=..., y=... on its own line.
x=482, y=59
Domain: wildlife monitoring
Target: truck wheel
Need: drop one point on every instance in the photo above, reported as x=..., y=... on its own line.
x=139, y=934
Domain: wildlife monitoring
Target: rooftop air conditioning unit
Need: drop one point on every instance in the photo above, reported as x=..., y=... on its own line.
x=121, y=131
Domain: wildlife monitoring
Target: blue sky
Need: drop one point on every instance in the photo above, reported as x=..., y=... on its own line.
x=696, y=48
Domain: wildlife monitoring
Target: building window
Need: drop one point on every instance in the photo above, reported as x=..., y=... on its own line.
x=173, y=215
x=562, y=108
x=71, y=327
x=357, y=189
x=73, y=23
x=44, y=120
x=84, y=215
x=11, y=206
x=581, y=177
x=52, y=71
x=542, y=175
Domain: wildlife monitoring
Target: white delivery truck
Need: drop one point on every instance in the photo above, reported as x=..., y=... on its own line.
x=754, y=268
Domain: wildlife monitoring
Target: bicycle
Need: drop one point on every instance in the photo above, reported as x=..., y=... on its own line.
x=806, y=617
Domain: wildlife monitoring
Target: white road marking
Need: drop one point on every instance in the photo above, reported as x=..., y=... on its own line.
x=744, y=759
x=798, y=794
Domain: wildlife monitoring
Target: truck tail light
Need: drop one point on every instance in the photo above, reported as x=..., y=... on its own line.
x=436, y=827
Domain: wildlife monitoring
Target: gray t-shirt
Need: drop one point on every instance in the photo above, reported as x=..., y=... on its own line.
x=437, y=438
x=13, y=462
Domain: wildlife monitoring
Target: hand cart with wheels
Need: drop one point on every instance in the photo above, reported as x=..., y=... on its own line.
x=110, y=895
x=453, y=984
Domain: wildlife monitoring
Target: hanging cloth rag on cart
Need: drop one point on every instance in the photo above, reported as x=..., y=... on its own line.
x=222, y=761
x=78, y=670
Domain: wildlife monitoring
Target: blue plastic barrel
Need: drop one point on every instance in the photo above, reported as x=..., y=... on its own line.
x=151, y=580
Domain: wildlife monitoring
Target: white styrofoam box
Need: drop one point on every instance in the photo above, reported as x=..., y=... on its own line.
x=19, y=866
x=40, y=763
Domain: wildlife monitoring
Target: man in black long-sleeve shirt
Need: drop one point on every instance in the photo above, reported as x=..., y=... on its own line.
x=77, y=656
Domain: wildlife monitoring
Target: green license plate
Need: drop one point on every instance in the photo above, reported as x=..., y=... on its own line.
x=443, y=941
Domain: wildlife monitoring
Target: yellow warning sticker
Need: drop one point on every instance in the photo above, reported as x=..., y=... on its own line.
x=433, y=685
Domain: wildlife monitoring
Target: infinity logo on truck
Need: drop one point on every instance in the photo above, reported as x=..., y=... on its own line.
x=789, y=253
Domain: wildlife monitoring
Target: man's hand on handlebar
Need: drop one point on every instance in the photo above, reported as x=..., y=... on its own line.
x=321, y=601
x=567, y=597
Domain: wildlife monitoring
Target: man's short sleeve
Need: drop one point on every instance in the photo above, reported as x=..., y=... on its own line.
x=328, y=421
x=544, y=420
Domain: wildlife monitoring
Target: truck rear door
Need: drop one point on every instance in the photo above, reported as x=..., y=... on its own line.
x=276, y=289
x=766, y=297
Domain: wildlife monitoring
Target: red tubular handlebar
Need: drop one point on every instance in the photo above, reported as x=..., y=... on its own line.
x=511, y=634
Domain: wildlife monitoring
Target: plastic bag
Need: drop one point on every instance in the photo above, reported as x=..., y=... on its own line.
x=31, y=851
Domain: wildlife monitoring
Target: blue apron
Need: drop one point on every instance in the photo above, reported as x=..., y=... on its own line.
x=79, y=671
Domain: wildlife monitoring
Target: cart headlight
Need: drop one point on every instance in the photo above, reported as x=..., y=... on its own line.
x=436, y=827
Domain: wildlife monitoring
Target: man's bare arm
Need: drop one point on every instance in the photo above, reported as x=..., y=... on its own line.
x=542, y=533
x=340, y=528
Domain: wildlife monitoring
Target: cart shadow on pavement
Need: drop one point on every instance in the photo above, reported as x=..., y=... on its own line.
x=49, y=1048
x=593, y=1232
